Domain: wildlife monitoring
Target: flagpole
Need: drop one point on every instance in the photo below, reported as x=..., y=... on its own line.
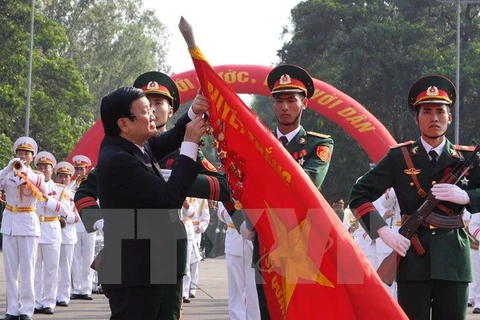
x=187, y=33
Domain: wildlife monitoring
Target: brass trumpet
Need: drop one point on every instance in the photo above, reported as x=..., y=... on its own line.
x=17, y=166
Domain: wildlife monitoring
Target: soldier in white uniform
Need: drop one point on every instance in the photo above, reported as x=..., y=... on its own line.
x=21, y=228
x=82, y=275
x=193, y=252
x=48, y=253
x=242, y=291
x=63, y=172
x=474, y=286
x=387, y=206
x=200, y=221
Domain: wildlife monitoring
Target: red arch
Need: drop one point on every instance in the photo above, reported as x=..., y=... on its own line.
x=328, y=101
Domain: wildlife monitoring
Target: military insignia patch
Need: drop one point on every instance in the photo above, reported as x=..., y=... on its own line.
x=316, y=134
x=323, y=152
x=465, y=148
x=412, y=171
x=285, y=79
x=207, y=165
x=454, y=153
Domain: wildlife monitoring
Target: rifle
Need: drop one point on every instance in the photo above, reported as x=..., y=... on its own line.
x=389, y=265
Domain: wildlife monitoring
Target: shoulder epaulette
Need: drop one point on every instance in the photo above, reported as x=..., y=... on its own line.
x=316, y=134
x=464, y=148
x=406, y=143
x=208, y=165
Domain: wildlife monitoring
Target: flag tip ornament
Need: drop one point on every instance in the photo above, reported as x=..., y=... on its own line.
x=187, y=33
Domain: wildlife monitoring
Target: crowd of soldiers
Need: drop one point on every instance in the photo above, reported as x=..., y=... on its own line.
x=50, y=250
x=45, y=245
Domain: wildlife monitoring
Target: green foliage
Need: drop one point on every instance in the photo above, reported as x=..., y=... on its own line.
x=373, y=51
x=111, y=42
x=6, y=150
x=83, y=49
x=60, y=110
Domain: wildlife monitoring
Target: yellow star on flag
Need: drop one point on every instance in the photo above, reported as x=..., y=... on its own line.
x=291, y=256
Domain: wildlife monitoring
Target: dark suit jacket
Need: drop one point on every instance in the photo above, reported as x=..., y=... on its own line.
x=127, y=181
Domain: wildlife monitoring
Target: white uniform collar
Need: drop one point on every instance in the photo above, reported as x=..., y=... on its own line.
x=289, y=135
x=438, y=149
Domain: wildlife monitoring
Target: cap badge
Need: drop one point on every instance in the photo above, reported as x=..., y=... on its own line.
x=432, y=91
x=152, y=85
x=285, y=79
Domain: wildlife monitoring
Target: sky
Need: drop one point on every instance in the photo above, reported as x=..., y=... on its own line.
x=226, y=31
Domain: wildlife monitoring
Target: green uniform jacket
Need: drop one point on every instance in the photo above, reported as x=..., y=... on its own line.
x=447, y=251
x=313, y=152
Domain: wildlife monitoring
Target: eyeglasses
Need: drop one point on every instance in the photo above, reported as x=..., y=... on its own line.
x=150, y=112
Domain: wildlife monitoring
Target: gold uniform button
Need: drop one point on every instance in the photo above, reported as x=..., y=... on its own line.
x=434, y=182
x=412, y=184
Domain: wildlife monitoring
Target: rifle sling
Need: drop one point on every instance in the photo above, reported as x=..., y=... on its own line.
x=411, y=168
x=420, y=191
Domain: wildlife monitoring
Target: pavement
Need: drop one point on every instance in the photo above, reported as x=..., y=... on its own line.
x=209, y=304
x=213, y=282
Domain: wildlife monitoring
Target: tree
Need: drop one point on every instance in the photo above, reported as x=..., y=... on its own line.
x=111, y=42
x=374, y=51
x=59, y=100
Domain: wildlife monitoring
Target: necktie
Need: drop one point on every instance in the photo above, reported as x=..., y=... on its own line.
x=434, y=157
x=146, y=159
x=283, y=140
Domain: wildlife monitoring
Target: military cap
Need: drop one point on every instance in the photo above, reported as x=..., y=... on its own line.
x=45, y=157
x=290, y=78
x=434, y=89
x=25, y=143
x=81, y=161
x=65, y=168
x=159, y=83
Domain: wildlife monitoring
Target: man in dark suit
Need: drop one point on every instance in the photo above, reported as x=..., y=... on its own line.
x=128, y=179
x=433, y=283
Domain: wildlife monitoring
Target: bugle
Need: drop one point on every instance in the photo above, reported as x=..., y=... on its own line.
x=17, y=166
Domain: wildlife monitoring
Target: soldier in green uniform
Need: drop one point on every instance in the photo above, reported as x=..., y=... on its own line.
x=433, y=283
x=291, y=86
x=163, y=95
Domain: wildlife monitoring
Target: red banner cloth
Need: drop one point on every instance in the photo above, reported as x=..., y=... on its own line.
x=311, y=266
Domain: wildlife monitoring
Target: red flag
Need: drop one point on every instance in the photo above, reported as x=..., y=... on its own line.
x=310, y=264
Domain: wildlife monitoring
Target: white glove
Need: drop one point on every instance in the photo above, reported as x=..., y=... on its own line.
x=247, y=234
x=9, y=167
x=451, y=193
x=166, y=173
x=98, y=225
x=394, y=240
